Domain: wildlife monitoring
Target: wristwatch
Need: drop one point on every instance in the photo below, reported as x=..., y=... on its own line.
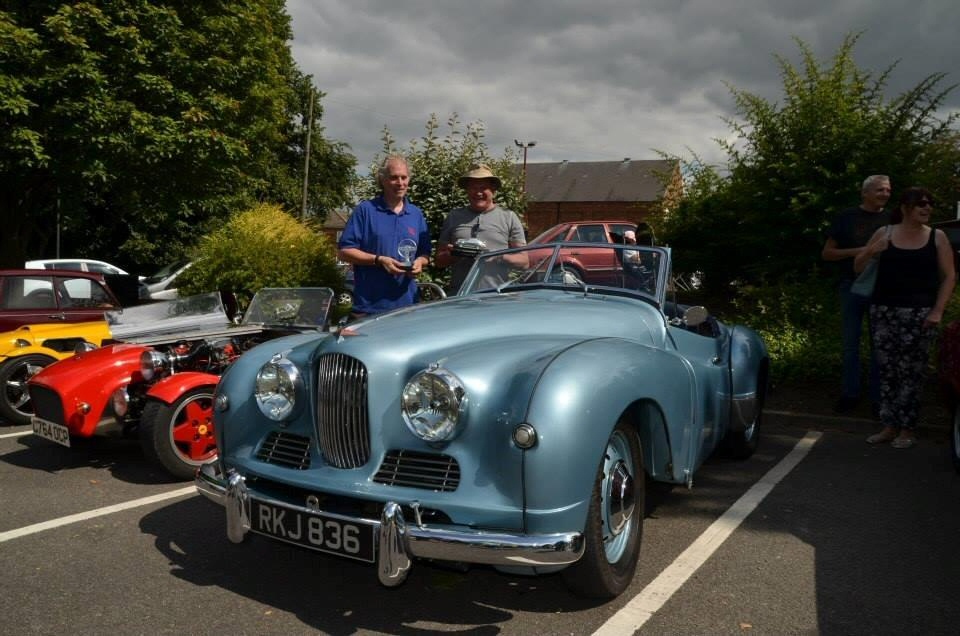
x=376, y=260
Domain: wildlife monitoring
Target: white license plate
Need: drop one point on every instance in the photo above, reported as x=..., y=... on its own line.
x=315, y=530
x=51, y=430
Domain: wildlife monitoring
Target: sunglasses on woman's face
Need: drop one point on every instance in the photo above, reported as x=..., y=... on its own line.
x=923, y=204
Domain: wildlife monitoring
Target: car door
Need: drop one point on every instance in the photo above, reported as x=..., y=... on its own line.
x=599, y=266
x=27, y=299
x=81, y=299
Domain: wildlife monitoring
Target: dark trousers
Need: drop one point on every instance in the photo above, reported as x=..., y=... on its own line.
x=902, y=345
x=853, y=310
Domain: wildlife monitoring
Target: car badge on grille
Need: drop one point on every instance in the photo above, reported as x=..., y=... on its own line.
x=313, y=503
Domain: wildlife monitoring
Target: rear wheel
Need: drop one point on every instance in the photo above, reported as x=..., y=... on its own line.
x=180, y=436
x=614, y=529
x=15, y=405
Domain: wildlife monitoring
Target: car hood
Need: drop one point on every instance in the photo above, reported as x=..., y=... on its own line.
x=471, y=321
x=487, y=337
x=96, y=368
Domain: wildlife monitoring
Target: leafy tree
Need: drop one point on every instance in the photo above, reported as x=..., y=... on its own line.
x=143, y=124
x=436, y=163
x=793, y=166
x=261, y=247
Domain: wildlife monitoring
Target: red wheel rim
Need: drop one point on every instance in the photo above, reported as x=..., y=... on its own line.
x=192, y=432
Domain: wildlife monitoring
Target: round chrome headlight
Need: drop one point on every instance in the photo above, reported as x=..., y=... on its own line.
x=276, y=388
x=434, y=404
x=121, y=401
x=152, y=364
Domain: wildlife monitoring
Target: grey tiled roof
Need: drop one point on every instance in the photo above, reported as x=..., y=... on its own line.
x=627, y=180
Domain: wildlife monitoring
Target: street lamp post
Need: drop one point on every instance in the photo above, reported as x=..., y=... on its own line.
x=524, y=145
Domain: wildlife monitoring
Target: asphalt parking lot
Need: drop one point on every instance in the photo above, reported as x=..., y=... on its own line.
x=94, y=541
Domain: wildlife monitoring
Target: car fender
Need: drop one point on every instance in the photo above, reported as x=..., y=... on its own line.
x=85, y=383
x=169, y=389
x=749, y=367
x=574, y=419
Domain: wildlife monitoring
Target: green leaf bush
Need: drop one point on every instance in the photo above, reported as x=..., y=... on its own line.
x=261, y=247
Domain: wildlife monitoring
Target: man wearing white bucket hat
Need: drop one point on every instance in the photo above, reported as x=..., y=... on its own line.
x=482, y=219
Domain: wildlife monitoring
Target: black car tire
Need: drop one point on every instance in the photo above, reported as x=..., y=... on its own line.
x=165, y=427
x=15, y=405
x=606, y=569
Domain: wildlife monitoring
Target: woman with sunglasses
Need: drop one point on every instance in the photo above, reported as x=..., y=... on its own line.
x=915, y=277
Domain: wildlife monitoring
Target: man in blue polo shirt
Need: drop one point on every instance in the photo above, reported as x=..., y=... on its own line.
x=387, y=241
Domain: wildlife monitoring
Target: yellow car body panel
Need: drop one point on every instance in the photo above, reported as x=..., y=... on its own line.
x=58, y=341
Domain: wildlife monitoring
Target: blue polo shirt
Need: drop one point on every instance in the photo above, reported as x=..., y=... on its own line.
x=376, y=229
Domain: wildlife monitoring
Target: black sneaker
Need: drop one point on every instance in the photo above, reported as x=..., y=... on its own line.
x=845, y=404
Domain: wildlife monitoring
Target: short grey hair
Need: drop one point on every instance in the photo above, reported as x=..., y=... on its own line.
x=382, y=171
x=872, y=179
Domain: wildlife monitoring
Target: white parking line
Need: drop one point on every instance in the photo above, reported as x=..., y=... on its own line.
x=90, y=514
x=643, y=606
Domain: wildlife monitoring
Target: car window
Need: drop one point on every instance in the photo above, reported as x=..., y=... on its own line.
x=83, y=293
x=75, y=266
x=102, y=268
x=28, y=292
x=590, y=234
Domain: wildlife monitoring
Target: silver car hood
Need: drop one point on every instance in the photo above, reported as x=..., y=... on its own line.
x=472, y=321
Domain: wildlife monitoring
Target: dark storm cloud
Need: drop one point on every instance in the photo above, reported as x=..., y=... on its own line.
x=590, y=80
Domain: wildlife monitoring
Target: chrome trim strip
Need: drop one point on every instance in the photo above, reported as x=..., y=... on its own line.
x=400, y=543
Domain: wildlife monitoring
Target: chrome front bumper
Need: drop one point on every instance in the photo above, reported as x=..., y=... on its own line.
x=399, y=543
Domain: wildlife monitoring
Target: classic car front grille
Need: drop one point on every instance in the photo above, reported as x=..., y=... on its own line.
x=284, y=449
x=413, y=469
x=46, y=403
x=343, y=426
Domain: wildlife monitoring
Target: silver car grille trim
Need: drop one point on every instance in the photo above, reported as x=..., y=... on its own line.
x=343, y=428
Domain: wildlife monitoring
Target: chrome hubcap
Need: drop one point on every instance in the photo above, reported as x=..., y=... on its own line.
x=621, y=498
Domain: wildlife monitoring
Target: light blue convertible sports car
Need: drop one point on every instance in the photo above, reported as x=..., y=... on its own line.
x=510, y=425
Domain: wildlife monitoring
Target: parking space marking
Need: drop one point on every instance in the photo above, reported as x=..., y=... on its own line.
x=91, y=514
x=645, y=604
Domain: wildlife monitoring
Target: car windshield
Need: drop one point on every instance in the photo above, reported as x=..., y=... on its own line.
x=164, y=272
x=290, y=307
x=589, y=267
x=190, y=313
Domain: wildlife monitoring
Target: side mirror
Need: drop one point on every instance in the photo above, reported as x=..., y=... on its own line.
x=695, y=316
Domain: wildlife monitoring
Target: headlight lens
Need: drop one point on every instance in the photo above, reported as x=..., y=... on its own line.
x=276, y=388
x=152, y=363
x=434, y=404
x=121, y=401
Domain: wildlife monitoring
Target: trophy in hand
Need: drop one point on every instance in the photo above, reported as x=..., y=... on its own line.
x=407, y=250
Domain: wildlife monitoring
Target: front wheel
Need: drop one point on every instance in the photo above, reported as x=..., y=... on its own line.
x=180, y=436
x=15, y=405
x=955, y=437
x=614, y=529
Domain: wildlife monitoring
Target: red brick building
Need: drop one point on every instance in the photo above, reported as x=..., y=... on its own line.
x=597, y=190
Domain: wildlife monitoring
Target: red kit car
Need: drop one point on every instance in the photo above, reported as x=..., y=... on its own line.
x=159, y=387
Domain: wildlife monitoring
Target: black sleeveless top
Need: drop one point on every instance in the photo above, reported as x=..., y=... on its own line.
x=908, y=278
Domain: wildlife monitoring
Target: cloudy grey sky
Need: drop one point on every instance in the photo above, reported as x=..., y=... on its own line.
x=591, y=80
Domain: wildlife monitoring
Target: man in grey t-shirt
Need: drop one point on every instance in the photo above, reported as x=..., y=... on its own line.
x=482, y=219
